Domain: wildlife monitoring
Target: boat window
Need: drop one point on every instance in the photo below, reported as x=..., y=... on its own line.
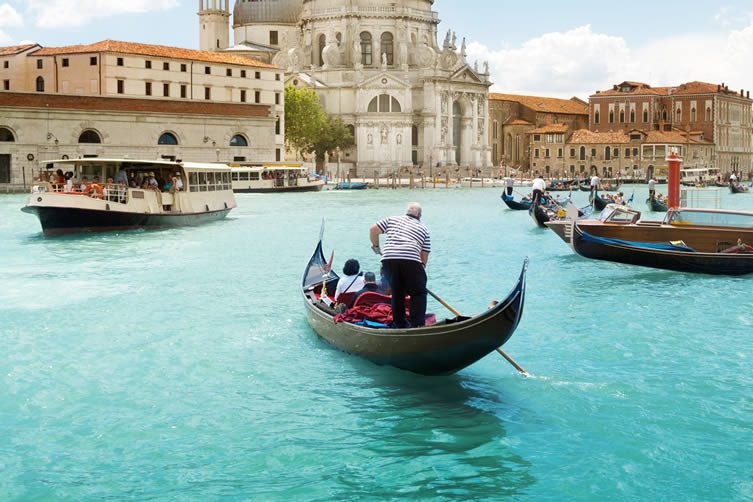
x=236, y=176
x=711, y=219
x=254, y=176
x=193, y=180
x=202, y=182
x=244, y=176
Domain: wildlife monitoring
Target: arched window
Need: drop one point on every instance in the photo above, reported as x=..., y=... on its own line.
x=597, y=117
x=322, y=45
x=367, y=49
x=645, y=116
x=388, y=47
x=632, y=116
x=622, y=116
x=664, y=115
x=90, y=137
x=693, y=115
x=611, y=117
x=678, y=114
x=40, y=84
x=167, y=138
x=583, y=153
x=708, y=114
x=238, y=140
x=384, y=103
x=607, y=153
x=6, y=135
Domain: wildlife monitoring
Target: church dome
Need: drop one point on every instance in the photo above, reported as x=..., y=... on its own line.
x=267, y=11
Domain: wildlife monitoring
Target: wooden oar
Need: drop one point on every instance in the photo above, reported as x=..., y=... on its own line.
x=458, y=314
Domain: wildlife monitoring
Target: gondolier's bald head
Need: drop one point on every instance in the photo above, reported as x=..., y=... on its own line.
x=414, y=209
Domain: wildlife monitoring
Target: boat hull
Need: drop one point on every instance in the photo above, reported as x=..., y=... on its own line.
x=296, y=189
x=701, y=263
x=657, y=206
x=515, y=205
x=63, y=220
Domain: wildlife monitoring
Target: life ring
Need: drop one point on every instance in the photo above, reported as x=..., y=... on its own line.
x=95, y=191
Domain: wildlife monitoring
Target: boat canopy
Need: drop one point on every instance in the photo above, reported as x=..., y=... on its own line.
x=136, y=164
x=622, y=215
x=709, y=218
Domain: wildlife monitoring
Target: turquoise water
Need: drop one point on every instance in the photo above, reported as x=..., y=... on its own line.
x=178, y=365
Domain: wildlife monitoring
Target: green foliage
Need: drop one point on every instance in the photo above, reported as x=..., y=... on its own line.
x=304, y=118
x=332, y=135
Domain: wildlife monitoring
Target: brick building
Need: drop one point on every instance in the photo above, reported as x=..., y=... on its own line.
x=126, y=99
x=516, y=120
x=710, y=113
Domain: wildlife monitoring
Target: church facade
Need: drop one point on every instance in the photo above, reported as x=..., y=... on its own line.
x=378, y=65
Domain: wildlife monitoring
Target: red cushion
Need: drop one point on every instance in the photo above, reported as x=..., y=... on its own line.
x=373, y=299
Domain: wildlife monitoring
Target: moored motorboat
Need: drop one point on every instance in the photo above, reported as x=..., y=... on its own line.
x=441, y=349
x=672, y=255
x=181, y=194
x=351, y=185
x=274, y=178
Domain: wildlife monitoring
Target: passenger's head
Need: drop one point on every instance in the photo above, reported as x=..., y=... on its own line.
x=369, y=278
x=414, y=209
x=352, y=267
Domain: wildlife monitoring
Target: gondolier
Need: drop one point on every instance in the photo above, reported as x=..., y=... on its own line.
x=404, y=257
x=510, y=184
x=539, y=187
x=652, y=188
x=595, y=183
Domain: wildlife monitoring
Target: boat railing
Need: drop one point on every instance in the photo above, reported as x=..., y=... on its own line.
x=707, y=198
x=115, y=192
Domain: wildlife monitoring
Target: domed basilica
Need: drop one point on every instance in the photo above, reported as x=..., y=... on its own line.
x=378, y=65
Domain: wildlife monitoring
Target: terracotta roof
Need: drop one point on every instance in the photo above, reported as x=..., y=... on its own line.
x=518, y=122
x=15, y=49
x=547, y=105
x=159, y=51
x=584, y=136
x=641, y=89
x=673, y=137
x=551, y=129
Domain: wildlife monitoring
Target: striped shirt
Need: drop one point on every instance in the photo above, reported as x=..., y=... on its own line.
x=406, y=238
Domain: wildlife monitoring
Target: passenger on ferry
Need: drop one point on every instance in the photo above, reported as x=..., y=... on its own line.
x=132, y=180
x=59, y=177
x=178, y=183
x=167, y=186
x=84, y=183
x=121, y=177
x=353, y=281
x=152, y=182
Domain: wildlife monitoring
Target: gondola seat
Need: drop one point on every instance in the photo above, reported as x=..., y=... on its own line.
x=373, y=299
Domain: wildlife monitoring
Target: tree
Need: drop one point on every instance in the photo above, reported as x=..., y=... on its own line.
x=333, y=134
x=304, y=118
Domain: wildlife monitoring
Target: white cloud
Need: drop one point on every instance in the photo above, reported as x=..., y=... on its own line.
x=9, y=17
x=62, y=13
x=579, y=62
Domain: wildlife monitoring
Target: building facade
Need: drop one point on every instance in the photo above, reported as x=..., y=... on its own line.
x=123, y=99
x=711, y=112
x=516, y=119
x=377, y=64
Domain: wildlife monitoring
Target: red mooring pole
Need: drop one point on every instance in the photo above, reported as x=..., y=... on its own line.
x=674, y=162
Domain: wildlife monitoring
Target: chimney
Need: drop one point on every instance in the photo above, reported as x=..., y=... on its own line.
x=748, y=95
x=718, y=88
x=742, y=93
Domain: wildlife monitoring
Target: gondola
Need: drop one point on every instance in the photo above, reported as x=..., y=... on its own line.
x=540, y=215
x=598, y=202
x=522, y=205
x=442, y=349
x=669, y=256
x=585, y=188
x=657, y=206
x=738, y=188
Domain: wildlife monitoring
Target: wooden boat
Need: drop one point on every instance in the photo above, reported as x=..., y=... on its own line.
x=599, y=202
x=206, y=196
x=522, y=205
x=585, y=188
x=540, y=214
x=442, y=349
x=656, y=205
x=677, y=256
x=274, y=178
x=351, y=185
x=738, y=188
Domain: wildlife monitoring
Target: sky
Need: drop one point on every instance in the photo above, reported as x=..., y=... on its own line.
x=547, y=48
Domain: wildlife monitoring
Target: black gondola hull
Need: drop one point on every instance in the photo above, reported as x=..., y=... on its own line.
x=442, y=349
x=699, y=263
x=657, y=206
x=62, y=220
x=539, y=215
x=515, y=205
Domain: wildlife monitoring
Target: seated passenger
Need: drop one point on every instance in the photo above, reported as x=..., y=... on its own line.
x=353, y=280
x=84, y=183
x=168, y=186
x=369, y=285
x=384, y=283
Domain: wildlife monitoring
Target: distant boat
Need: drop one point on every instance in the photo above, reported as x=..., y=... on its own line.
x=738, y=188
x=657, y=206
x=274, y=178
x=522, y=205
x=599, y=202
x=351, y=185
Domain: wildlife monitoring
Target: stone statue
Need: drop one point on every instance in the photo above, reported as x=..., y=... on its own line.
x=463, y=50
x=384, y=61
x=475, y=66
x=399, y=139
x=486, y=67
x=454, y=40
x=370, y=139
x=294, y=61
x=385, y=133
x=357, y=54
x=446, y=43
x=331, y=52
